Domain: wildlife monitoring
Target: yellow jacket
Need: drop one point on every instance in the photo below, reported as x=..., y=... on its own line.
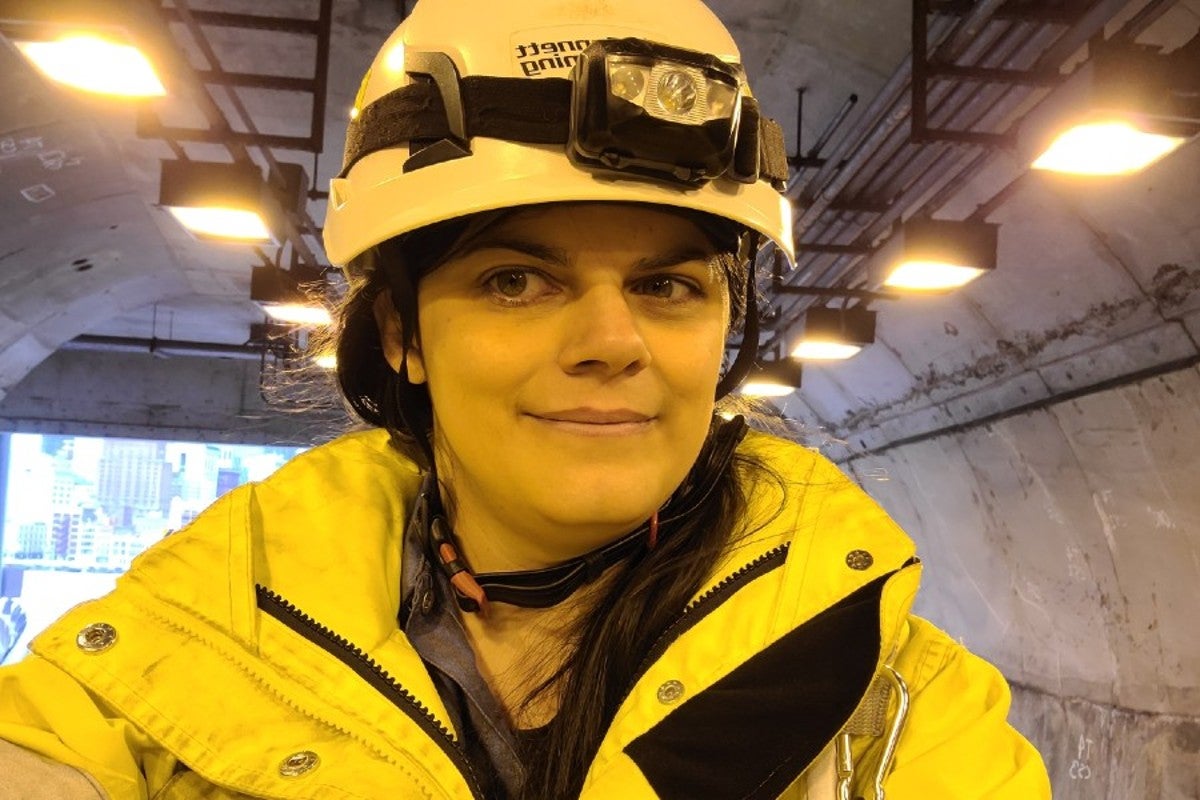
x=256, y=653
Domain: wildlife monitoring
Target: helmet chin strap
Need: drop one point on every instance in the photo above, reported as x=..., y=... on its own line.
x=543, y=588
x=748, y=352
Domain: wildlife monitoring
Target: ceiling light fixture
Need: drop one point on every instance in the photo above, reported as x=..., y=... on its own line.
x=95, y=64
x=282, y=295
x=777, y=378
x=939, y=255
x=1112, y=147
x=832, y=334
x=224, y=202
x=1128, y=106
x=299, y=314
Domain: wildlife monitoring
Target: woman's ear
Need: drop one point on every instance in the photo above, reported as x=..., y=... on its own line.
x=391, y=336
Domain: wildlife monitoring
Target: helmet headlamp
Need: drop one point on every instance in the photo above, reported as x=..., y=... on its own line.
x=648, y=108
x=630, y=106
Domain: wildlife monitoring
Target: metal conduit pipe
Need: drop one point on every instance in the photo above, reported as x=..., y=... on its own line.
x=1092, y=23
x=925, y=173
x=294, y=234
x=166, y=347
x=873, y=116
x=969, y=109
x=798, y=187
x=1142, y=20
x=1077, y=35
x=957, y=175
x=883, y=157
x=1136, y=26
x=895, y=107
x=922, y=167
x=1065, y=45
x=891, y=91
x=974, y=23
x=896, y=140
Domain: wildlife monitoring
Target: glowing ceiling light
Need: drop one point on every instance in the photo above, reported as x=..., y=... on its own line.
x=832, y=334
x=764, y=389
x=777, y=378
x=289, y=296
x=941, y=254
x=96, y=65
x=223, y=223
x=825, y=351
x=299, y=313
x=326, y=361
x=1114, y=147
x=931, y=276
x=220, y=201
x=1122, y=110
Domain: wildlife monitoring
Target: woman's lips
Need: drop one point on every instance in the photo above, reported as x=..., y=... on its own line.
x=595, y=416
x=595, y=421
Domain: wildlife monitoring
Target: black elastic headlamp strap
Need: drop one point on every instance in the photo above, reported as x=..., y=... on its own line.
x=514, y=109
x=748, y=352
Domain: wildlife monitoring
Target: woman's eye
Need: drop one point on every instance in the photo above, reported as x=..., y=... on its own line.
x=517, y=285
x=511, y=283
x=667, y=287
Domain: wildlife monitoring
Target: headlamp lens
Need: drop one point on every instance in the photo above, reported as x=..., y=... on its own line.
x=627, y=81
x=721, y=99
x=676, y=92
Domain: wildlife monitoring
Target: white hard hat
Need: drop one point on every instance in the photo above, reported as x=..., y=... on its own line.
x=477, y=105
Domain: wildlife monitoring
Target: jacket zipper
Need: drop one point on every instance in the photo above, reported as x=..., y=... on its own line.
x=366, y=668
x=708, y=602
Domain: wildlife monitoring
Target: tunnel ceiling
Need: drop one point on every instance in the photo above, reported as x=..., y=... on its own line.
x=1096, y=282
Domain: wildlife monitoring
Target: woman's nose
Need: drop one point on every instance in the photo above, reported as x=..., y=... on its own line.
x=603, y=335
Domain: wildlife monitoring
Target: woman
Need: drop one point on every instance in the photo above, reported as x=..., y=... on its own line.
x=549, y=570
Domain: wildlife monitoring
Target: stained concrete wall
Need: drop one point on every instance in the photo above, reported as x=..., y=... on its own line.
x=1064, y=546
x=91, y=393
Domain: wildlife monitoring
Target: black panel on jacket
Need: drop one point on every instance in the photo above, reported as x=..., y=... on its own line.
x=752, y=733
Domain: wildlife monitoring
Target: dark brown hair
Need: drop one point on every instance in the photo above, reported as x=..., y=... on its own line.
x=611, y=636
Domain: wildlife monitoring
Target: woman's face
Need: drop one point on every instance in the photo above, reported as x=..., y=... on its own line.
x=572, y=353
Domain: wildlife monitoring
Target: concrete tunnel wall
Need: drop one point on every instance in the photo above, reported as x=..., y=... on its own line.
x=200, y=399
x=1062, y=545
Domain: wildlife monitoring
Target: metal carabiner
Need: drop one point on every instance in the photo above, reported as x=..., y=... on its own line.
x=844, y=758
x=889, y=749
x=844, y=761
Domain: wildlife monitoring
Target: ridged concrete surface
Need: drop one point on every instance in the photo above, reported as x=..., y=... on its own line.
x=1062, y=545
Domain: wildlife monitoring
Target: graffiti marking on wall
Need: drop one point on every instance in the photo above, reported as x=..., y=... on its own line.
x=1081, y=769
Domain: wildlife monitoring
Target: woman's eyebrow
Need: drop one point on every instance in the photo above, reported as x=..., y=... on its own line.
x=562, y=258
x=672, y=258
x=552, y=255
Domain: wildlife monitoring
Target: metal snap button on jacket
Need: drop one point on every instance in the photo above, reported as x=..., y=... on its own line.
x=859, y=559
x=670, y=692
x=96, y=638
x=298, y=763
